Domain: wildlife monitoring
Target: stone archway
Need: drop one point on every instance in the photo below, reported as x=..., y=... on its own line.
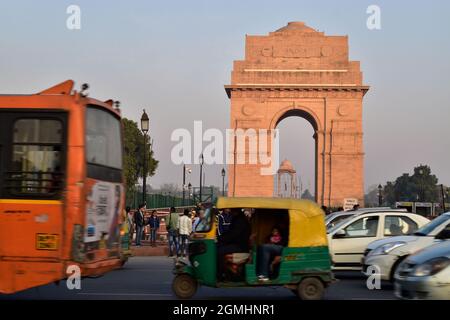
x=308, y=115
x=298, y=71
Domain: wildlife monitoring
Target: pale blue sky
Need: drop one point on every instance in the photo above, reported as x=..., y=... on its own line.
x=173, y=58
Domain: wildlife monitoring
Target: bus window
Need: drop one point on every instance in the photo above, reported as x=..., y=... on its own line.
x=36, y=162
x=103, y=138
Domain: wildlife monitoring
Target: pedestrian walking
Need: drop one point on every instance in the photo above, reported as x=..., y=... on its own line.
x=153, y=222
x=185, y=227
x=139, y=222
x=172, y=230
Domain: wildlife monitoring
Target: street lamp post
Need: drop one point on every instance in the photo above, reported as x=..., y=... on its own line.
x=145, y=123
x=202, y=161
x=380, y=195
x=443, y=197
x=421, y=186
x=184, y=181
x=188, y=170
x=223, y=182
x=190, y=192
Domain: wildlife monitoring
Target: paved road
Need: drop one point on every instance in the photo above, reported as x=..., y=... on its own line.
x=151, y=278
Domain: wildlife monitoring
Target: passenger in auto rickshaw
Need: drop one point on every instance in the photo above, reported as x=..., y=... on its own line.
x=235, y=240
x=268, y=251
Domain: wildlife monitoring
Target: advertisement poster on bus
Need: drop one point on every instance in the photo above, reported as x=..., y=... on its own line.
x=104, y=201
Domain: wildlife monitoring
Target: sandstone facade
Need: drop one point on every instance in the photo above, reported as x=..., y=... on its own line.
x=298, y=71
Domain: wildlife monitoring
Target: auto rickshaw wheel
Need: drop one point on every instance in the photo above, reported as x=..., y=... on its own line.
x=184, y=286
x=310, y=289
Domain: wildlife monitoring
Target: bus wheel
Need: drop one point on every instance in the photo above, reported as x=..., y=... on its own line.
x=184, y=286
x=310, y=289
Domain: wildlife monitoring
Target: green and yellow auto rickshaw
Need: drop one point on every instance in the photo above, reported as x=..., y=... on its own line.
x=304, y=265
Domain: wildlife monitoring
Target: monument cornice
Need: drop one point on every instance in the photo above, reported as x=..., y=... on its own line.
x=296, y=87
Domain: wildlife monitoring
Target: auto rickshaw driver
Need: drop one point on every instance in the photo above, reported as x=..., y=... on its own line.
x=235, y=240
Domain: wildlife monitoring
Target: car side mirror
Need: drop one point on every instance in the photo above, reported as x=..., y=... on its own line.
x=340, y=234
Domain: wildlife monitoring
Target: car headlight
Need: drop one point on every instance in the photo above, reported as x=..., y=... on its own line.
x=431, y=267
x=386, y=248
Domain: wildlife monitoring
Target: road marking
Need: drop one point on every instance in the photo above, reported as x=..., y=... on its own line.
x=124, y=294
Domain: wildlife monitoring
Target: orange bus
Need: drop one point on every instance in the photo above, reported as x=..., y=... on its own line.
x=61, y=187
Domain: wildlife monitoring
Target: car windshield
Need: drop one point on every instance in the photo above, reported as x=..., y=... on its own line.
x=340, y=223
x=430, y=226
x=337, y=219
x=330, y=217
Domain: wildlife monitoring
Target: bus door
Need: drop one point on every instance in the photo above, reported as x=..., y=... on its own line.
x=33, y=151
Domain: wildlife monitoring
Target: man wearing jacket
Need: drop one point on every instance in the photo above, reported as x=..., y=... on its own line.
x=172, y=230
x=153, y=221
x=139, y=221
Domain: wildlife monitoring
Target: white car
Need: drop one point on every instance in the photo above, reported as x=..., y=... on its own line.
x=349, y=239
x=425, y=275
x=335, y=218
x=387, y=254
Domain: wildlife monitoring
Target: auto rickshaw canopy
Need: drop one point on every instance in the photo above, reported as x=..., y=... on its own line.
x=306, y=218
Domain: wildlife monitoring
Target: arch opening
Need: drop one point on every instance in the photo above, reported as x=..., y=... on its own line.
x=296, y=128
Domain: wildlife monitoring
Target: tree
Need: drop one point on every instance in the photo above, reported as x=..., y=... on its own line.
x=133, y=139
x=426, y=188
x=371, y=198
x=421, y=186
x=171, y=188
x=307, y=195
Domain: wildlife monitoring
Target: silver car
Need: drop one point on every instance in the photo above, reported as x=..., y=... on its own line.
x=426, y=274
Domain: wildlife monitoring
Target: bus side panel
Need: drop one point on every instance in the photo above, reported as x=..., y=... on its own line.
x=19, y=275
x=30, y=229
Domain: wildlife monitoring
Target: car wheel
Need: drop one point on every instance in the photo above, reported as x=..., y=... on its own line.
x=310, y=289
x=184, y=286
x=394, y=268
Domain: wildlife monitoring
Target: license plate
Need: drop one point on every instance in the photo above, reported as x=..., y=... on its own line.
x=46, y=241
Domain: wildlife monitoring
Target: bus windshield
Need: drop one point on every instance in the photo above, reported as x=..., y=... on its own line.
x=103, y=138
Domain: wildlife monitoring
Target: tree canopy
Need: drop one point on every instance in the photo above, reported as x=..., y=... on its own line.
x=134, y=155
x=421, y=186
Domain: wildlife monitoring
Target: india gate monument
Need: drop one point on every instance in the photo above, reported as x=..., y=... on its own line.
x=297, y=71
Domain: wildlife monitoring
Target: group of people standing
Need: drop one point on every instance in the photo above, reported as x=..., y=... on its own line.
x=137, y=222
x=179, y=227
